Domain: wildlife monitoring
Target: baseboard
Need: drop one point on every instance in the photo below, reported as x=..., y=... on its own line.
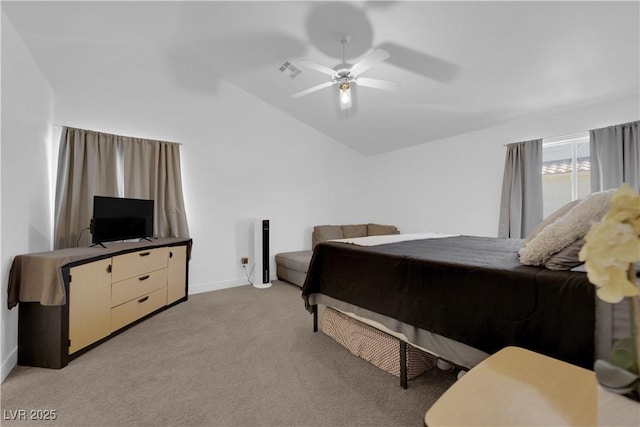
x=223, y=284
x=216, y=286
x=9, y=364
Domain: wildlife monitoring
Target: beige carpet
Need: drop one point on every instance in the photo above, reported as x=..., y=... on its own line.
x=234, y=357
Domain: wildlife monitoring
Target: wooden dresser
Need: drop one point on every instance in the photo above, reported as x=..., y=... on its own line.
x=105, y=294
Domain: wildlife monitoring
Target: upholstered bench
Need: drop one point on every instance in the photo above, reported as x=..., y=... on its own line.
x=293, y=266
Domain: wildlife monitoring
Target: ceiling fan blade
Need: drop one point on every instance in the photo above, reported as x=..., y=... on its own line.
x=376, y=83
x=421, y=63
x=369, y=61
x=307, y=63
x=313, y=89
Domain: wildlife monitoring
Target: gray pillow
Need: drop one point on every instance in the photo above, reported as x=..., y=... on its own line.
x=381, y=230
x=566, y=258
x=356, y=230
x=548, y=220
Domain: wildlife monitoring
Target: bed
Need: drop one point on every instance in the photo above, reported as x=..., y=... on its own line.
x=460, y=298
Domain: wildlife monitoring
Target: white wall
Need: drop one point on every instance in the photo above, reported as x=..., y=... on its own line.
x=25, y=138
x=241, y=160
x=453, y=185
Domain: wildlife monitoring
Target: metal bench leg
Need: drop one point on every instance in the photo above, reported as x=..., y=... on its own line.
x=403, y=364
x=315, y=318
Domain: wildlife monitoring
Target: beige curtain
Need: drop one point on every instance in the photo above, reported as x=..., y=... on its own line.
x=152, y=171
x=89, y=164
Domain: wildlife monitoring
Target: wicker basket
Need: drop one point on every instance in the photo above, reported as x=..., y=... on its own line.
x=373, y=345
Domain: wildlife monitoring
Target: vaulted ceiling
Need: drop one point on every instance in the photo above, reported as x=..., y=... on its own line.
x=462, y=66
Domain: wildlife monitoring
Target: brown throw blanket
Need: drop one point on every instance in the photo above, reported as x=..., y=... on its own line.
x=38, y=277
x=471, y=289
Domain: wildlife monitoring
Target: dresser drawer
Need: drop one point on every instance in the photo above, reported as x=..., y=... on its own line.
x=133, y=310
x=138, y=263
x=135, y=287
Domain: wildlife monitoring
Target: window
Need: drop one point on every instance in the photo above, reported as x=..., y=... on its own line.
x=566, y=170
x=116, y=165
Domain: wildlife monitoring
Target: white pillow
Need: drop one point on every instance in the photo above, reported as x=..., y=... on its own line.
x=567, y=229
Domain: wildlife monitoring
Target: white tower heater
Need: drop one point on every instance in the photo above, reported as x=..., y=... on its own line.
x=261, y=253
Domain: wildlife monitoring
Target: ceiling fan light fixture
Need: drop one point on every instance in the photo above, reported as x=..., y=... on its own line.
x=343, y=75
x=345, y=96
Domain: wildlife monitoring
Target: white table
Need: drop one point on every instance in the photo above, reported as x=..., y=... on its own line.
x=518, y=387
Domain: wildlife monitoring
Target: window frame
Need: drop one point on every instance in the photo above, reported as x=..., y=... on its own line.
x=573, y=139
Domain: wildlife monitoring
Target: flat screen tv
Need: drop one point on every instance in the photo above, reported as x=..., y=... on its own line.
x=117, y=218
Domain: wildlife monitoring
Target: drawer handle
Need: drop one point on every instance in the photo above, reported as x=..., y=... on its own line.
x=143, y=277
x=144, y=253
x=143, y=299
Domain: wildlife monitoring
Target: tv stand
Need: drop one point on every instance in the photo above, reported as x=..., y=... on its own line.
x=107, y=291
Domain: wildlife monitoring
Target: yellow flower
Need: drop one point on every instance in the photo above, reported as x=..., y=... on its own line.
x=612, y=244
x=625, y=207
x=624, y=217
x=626, y=199
x=616, y=284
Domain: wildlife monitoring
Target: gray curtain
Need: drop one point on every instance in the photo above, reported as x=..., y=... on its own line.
x=152, y=171
x=521, y=201
x=89, y=164
x=615, y=157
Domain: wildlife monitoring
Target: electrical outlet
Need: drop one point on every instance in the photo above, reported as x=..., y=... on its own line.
x=244, y=260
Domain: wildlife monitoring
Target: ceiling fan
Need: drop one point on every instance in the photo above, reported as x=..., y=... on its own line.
x=344, y=75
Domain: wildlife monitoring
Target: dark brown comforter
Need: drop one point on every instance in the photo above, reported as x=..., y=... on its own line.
x=471, y=289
